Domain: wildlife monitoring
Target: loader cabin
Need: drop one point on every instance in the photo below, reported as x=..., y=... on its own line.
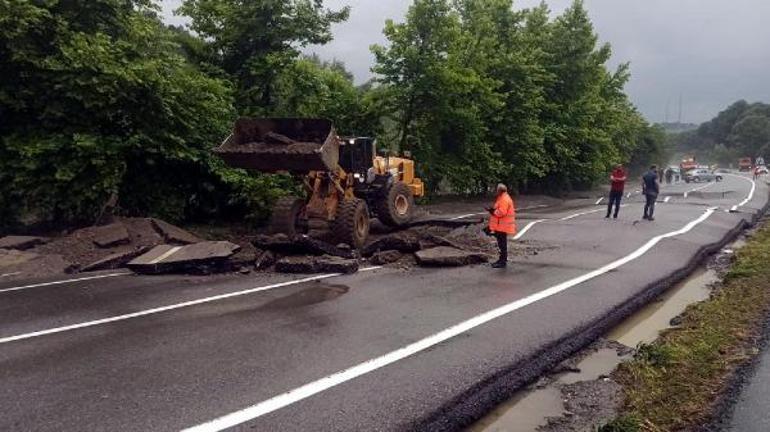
x=358, y=157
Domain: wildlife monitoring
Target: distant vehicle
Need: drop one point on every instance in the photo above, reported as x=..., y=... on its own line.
x=701, y=175
x=760, y=161
x=744, y=164
x=761, y=170
x=688, y=163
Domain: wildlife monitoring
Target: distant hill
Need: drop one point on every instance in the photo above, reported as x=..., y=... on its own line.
x=741, y=130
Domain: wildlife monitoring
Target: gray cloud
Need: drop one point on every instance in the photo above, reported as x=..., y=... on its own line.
x=711, y=52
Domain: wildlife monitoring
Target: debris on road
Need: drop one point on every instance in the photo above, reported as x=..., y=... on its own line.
x=114, y=234
x=21, y=242
x=386, y=257
x=404, y=241
x=324, y=264
x=300, y=245
x=265, y=260
x=445, y=256
x=25, y=264
x=204, y=258
x=173, y=234
x=114, y=261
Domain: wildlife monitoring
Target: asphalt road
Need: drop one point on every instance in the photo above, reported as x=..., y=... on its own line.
x=383, y=349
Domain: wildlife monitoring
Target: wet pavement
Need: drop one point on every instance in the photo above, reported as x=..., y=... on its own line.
x=383, y=349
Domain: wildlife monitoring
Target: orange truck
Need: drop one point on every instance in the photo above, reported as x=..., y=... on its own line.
x=744, y=164
x=688, y=163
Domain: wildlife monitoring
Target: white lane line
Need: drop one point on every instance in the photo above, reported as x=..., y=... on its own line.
x=166, y=254
x=325, y=383
x=697, y=189
x=527, y=228
x=600, y=201
x=667, y=199
x=10, y=274
x=171, y=307
x=61, y=282
x=750, y=195
x=577, y=215
x=628, y=195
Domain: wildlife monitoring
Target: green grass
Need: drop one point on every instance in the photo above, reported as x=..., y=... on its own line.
x=673, y=383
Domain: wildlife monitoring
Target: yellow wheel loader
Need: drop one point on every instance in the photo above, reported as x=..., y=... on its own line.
x=345, y=181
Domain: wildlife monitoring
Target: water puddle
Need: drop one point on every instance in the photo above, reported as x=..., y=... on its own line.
x=318, y=292
x=524, y=412
x=645, y=325
x=595, y=366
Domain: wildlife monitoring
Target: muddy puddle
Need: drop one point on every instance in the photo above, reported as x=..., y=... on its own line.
x=548, y=406
x=645, y=325
x=316, y=292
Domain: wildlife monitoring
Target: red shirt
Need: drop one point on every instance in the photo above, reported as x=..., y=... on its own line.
x=618, y=180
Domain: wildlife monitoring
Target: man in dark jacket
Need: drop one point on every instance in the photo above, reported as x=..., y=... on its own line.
x=618, y=179
x=651, y=189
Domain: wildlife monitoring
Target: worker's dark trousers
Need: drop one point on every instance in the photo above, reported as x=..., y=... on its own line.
x=615, y=198
x=649, y=206
x=502, y=243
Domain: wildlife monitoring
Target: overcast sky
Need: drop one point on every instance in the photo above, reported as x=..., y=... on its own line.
x=711, y=52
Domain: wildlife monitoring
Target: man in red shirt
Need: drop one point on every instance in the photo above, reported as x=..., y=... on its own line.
x=618, y=179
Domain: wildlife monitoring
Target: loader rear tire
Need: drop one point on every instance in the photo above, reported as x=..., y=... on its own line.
x=351, y=226
x=396, y=207
x=287, y=217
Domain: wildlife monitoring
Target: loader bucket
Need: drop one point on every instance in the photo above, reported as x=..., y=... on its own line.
x=272, y=145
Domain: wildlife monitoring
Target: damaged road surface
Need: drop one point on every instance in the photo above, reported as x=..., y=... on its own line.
x=382, y=349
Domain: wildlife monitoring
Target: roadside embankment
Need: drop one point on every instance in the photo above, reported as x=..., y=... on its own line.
x=677, y=382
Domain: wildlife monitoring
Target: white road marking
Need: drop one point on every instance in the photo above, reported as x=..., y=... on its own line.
x=10, y=274
x=166, y=254
x=667, y=199
x=61, y=282
x=170, y=307
x=527, y=228
x=628, y=195
x=600, y=201
x=697, y=189
x=751, y=192
x=325, y=383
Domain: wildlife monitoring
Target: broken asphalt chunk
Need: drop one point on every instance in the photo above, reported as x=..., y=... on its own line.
x=173, y=234
x=403, y=242
x=114, y=234
x=114, y=261
x=312, y=264
x=300, y=245
x=386, y=257
x=203, y=257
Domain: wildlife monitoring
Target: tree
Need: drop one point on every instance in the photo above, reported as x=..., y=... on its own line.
x=95, y=101
x=254, y=41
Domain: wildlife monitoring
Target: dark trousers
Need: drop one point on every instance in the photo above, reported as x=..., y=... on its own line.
x=502, y=243
x=615, y=198
x=649, y=206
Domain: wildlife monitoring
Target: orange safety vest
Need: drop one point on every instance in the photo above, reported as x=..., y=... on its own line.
x=504, y=217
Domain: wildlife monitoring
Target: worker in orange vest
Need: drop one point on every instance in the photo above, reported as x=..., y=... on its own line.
x=502, y=222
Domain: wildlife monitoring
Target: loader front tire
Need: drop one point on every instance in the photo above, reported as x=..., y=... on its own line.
x=396, y=207
x=351, y=226
x=287, y=217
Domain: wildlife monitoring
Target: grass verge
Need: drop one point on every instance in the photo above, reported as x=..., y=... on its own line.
x=673, y=383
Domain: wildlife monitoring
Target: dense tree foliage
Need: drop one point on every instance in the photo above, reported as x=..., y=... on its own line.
x=741, y=130
x=100, y=100
x=481, y=92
